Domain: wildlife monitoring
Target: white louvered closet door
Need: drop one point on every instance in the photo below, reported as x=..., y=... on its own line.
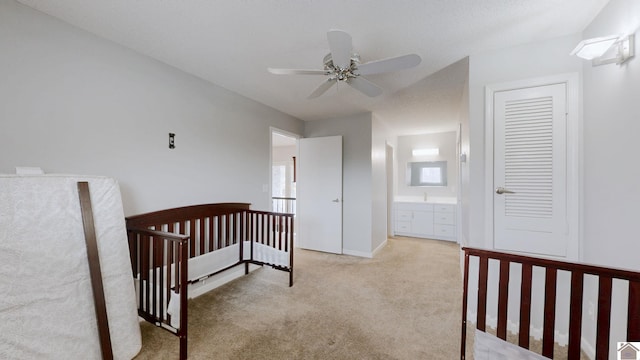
x=530, y=170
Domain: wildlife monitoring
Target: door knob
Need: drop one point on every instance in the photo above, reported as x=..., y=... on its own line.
x=336, y=200
x=501, y=190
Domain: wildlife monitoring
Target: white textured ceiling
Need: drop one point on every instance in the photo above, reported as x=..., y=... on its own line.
x=232, y=42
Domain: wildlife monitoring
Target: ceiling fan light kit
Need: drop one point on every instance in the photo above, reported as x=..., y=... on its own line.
x=342, y=64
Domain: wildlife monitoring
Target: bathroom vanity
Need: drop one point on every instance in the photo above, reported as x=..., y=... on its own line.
x=432, y=219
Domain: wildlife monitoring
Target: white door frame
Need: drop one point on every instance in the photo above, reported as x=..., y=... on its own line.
x=275, y=130
x=390, y=182
x=574, y=155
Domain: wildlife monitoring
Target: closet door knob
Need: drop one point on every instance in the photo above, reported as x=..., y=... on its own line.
x=501, y=190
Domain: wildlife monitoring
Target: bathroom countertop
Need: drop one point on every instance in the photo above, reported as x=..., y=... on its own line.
x=430, y=199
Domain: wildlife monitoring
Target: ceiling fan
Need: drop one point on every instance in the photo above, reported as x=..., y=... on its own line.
x=342, y=64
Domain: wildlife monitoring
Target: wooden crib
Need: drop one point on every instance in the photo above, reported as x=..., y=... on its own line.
x=173, y=250
x=576, y=274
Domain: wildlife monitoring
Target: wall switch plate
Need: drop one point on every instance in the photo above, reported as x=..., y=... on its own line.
x=172, y=141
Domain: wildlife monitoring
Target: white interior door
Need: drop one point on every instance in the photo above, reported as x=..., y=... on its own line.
x=530, y=170
x=319, y=213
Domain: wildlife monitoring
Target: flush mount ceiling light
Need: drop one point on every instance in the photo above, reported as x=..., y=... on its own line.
x=425, y=152
x=606, y=50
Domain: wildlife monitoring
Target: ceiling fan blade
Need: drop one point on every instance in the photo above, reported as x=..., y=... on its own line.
x=297, y=72
x=365, y=86
x=391, y=64
x=322, y=88
x=340, y=46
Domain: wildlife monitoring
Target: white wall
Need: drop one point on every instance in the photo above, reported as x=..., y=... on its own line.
x=611, y=175
x=379, y=135
x=611, y=131
x=446, y=143
x=71, y=102
x=357, y=177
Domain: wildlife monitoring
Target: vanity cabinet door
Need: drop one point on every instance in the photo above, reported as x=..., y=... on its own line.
x=422, y=223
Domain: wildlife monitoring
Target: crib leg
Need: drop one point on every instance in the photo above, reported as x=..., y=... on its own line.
x=183, y=347
x=291, y=278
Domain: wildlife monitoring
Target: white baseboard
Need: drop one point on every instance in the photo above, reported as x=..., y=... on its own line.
x=379, y=248
x=357, y=253
x=364, y=254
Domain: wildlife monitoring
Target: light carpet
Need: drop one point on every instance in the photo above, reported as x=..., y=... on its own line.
x=403, y=304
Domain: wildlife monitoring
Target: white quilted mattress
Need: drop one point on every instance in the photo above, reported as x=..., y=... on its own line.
x=46, y=303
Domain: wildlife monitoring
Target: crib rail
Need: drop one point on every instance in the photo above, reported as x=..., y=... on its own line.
x=162, y=242
x=160, y=265
x=577, y=273
x=275, y=230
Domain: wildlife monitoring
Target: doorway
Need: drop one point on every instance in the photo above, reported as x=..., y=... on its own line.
x=284, y=150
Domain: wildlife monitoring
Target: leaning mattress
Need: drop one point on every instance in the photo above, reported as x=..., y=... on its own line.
x=46, y=306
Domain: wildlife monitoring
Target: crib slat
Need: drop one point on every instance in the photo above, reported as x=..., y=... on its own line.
x=525, y=306
x=240, y=226
x=252, y=220
x=234, y=228
x=144, y=273
x=161, y=246
x=575, y=315
x=279, y=232
x=193, y=246
x=604, y=317
x=549, y=312
x=219, y=224
x=211, y=233
x=633, y=317
x=291, y=232
x=503, y=297
x=289, y=222
x=231, y=230
x=264, y=226
x=180, y=251
x=201, y=236
x=228, y=229
x=482, y=293
x=154, y=277
x=274, y=230
x=165, y=286
x=465, y=292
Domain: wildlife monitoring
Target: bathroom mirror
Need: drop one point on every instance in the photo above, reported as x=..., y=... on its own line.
x=427, y=173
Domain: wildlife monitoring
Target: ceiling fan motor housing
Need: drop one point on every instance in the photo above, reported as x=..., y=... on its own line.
x=337, y=73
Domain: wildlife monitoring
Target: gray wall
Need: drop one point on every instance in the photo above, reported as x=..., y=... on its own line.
x=71, y=102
